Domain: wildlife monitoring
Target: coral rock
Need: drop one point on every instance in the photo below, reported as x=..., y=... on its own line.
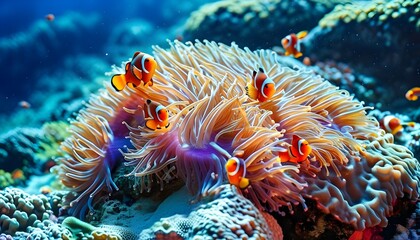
x=225, y=214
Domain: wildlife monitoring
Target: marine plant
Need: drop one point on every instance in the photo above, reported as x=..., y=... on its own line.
x=201, y=85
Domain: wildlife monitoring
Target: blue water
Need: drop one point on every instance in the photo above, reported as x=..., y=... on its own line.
x=39, y=58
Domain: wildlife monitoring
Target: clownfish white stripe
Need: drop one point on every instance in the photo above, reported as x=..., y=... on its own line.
x=143, y=59
x=238, y=165
x=387, y=119
x=300, y=146
x=157, y=110
x=289, y=39
x=148, y=110
x=266, y=81
x=255, y=81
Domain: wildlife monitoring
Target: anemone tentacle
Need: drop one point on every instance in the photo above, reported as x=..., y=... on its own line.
x=92, y=150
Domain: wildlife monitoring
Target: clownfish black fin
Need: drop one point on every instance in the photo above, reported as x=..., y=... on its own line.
x=136, y=53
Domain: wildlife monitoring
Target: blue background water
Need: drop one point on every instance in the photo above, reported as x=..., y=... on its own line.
x=36, y=53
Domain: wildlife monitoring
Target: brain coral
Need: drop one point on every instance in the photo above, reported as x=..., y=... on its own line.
x=20, y=211
x=254, y=23
x=224, y=215
x=212, y=119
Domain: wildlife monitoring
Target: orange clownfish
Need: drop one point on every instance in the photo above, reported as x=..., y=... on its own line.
x=156, y=115
x=141, y=68
x=297, y=152
x=236, y=170
x=50, y=17
x=18, y=174
x=261, y=87
x=413, y=94
x=392, y=124
x=291, y=43
x=24, y=104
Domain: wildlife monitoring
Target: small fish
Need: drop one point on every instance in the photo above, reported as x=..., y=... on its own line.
x=307, y=61
x=24, y=104
x=156, y=115
x=297, y=152
x=392, y=124
x=236, y=171
x=413, y=94
x=18, y=174
x=291, y=43
x=50, y=17
x=45, y=190
x=46, y=167
x=261, y=87
x=179, y=37
x=141, y=68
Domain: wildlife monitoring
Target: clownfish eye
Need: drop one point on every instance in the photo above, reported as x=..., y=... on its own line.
x=147, y=60
x=265, y=86
x=159, y=111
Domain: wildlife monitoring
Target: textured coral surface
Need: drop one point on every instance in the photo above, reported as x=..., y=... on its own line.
x=223, y=215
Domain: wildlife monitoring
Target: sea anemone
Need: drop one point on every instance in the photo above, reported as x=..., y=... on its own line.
x=202, y=85
x=218, y=120
x=92, y=151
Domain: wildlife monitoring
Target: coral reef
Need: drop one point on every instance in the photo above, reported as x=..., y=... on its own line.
x=225, y=214
x=25, y=152
x=368, y=36
x=21, y=210
x=410, y=135
x=17, y=149
x=202, y=85
x=365, y=88
x=6, y=179
x=383, y=173
x=254, y=23
x=54, y=133
x=82, y=230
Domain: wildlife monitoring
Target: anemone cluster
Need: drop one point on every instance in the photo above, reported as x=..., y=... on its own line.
x=355, y=172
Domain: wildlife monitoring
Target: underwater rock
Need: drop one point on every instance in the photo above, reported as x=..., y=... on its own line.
x=377, y=38
x=29, y=151
x=224, y=214
x=254, y=23
x=364, y=88
x=17, y=149
x=77, y=229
